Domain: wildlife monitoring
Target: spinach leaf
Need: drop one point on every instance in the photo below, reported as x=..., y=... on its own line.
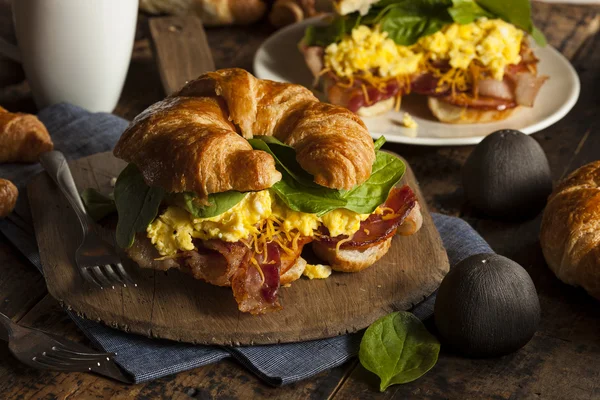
x=516, y=12
x=379, y=143
x=539, y=37
x=387, y=172
x=285, y=156
x=398, y=348
x=296, y=187
x=218, y=203
x=308, y=199
x=97, y=205
x=334, y=31
x=408, y=21
x=299, y=192
x=137, y=204
x=467, y=11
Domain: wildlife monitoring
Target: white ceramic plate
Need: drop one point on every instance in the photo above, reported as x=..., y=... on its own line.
x=278, y=59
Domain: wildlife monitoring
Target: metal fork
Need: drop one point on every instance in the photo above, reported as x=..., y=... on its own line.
x=97, y=260
x=44, y=350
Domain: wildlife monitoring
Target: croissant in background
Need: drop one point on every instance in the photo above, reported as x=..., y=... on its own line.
x=8, y=197
x=212, y=116
x=570, y=233
x=211, y=12
x=23, y=137
x=286, y=12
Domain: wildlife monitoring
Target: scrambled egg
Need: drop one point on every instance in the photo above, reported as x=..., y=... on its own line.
x=175, y=228
x=238, y=222
x=171, y=231
x=317, y=271
x=492, y=42
x=409, y=122
x=367, y=49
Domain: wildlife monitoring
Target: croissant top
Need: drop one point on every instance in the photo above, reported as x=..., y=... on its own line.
x=195, y=140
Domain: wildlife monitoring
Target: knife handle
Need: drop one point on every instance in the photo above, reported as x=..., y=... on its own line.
x=55, y=163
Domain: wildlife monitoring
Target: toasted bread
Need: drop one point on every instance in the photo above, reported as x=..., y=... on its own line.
x=294, y=272
x=452, y=114
x=351, y=260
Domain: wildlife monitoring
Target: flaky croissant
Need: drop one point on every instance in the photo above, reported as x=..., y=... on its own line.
x=23, y=137
x=8, y=197
x=195, y=139
x=211, y=12
x=188, y=144
x=570, y=232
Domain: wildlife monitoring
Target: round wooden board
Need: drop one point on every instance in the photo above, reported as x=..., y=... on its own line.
x=171, y=305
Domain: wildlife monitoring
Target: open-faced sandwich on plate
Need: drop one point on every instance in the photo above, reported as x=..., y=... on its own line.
x=470, y=57
x=232, y=176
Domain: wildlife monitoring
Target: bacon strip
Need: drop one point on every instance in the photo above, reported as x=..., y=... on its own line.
x=353, y=97
x=378, y=227
x=289, y=259
x=426, y=84
x=527, y=85
x=252, y=293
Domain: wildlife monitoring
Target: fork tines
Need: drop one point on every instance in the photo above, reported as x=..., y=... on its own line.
x=107, y=275
x=63, y=359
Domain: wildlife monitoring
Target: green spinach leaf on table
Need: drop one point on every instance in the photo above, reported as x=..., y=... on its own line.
x=398, y=348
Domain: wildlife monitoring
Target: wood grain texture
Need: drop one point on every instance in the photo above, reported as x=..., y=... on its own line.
x=170, y=305
x=181, y=50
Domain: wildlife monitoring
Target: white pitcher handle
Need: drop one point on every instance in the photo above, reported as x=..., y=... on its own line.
x=10, y=50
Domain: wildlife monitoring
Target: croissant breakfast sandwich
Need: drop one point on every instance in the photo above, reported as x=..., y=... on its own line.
x=470, y=57
x=232, y=176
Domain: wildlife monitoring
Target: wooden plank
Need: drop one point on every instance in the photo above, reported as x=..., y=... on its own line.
x=181, y=49
x=172, y=306
x=566, y=27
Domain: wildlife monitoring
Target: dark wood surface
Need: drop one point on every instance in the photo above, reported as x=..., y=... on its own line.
x=172, y=306
x=561, y=362
x=181, y=50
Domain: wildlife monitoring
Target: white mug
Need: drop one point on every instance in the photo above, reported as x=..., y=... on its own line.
x=75, y=51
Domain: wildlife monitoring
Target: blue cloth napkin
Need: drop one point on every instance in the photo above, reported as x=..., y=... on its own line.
x=78, y=133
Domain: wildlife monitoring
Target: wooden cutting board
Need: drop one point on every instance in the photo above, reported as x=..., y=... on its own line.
x=171, y=305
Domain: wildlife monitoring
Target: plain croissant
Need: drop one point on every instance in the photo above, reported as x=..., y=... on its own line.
x=8, y=197
x=570, y=233
x=195, y=139
x=23, y=137
x=211, y=12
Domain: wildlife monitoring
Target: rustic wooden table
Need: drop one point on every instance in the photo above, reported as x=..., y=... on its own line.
x=563, y=359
